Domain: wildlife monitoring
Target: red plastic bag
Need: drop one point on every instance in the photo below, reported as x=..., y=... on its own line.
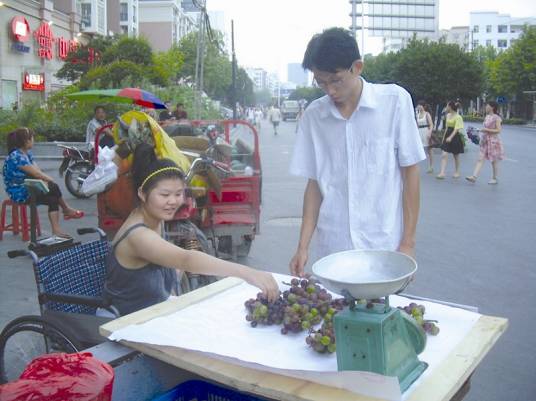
x=62, y=377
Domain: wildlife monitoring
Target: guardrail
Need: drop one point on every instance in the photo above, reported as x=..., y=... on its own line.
x=46, y=150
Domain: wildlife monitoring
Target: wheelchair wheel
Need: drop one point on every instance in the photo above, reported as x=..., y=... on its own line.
x=28, y=337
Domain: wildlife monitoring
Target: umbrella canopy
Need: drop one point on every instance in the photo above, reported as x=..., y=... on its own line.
x=126, y=95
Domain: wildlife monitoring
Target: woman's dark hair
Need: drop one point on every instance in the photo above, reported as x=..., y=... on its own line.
x=145, y=163
x=330, y=51
x=494, y=105
x=424, y=105
x=18, y=138
x=453, y=105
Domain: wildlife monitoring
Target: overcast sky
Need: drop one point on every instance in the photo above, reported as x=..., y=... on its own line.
x=272, y=33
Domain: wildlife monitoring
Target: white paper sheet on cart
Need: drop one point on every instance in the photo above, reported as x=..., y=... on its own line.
x=217, y=326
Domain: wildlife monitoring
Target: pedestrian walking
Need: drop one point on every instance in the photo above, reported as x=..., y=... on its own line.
x=491, y=146
x=275, y=117
x=452, y=140
x=258, y=117
x=362, y=168
x=426, y=125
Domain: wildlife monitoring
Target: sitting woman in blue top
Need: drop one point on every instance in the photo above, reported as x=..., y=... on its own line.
x=19, y=165
x=141, y=266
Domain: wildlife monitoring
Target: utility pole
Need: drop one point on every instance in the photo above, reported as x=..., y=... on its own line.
x=233, y=85
x=199, y=60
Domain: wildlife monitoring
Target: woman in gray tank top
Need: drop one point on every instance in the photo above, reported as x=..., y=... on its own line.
x=140, y=266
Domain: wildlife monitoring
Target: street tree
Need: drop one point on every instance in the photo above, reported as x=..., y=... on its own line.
x=514, y=70
x=380, y=68
x=307, y=93
x=84, y=57
x=437, y=72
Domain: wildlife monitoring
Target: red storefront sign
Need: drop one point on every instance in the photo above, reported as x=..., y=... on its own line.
x=45, y=40
x=33, y=81
x=20, y=29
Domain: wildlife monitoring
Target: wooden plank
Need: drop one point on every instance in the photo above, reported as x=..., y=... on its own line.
x=452, y=373
x=441, y=385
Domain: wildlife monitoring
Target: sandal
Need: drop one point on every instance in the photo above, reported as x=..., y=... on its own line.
x=493, y=181
x=456, y=176
x=78, y=214
x=440, y=177
x=471, y=178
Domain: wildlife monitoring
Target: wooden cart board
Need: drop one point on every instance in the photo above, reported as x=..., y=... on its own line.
x=441, y=385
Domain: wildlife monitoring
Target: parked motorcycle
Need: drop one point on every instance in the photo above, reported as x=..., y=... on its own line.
x=77, y=164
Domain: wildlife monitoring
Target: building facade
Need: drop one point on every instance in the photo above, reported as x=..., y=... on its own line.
x=396, y=21
x=297, y=75
x=259, y=76
x=94, y=16
x=164, y=23
x=35, y=39
x=128, y=17
x=458, y=35
x=488, y=28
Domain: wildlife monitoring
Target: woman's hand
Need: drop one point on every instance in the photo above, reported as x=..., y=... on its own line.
x=265, y=282
x=449, y=139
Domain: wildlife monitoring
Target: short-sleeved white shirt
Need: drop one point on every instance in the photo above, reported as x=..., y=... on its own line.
x=357, y=164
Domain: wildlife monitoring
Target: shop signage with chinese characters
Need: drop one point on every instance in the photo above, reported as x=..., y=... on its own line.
x=33, y=81
x=47, y=45
x=20, y=31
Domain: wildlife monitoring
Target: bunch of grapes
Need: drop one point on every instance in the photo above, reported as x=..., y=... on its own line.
x=300, y=308
x=264, y=312
x=323, y=340
x=417, y=313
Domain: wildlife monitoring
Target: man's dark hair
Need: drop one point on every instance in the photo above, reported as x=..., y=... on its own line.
x=98, y=108
x=330, y=51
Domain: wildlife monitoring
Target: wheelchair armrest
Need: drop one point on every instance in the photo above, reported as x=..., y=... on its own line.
x=94, y=302
x=91, y=230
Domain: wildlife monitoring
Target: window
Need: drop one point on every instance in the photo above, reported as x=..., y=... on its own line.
x=124, y=29
x=475, y=29
x=488, y=28
x=502, y=28
x=502, y=43
x=475, y=44
x=123, y=13
x=100, y=16
x=488, y=42
x=86, y=15
x=134, y=14
x=515, y=28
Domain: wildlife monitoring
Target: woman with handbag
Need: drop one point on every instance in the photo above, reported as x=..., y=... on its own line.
x=452, y=140
x=426, y=125
x=491, y=147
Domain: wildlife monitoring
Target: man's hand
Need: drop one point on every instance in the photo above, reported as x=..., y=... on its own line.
x=407, y=249
x=297, y=263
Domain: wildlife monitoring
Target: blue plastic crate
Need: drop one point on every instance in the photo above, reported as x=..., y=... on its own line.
x=203, y=391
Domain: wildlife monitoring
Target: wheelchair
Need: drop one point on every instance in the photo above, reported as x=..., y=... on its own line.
x=69, y=289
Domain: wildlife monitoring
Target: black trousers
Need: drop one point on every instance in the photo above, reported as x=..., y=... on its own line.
x=51, y=198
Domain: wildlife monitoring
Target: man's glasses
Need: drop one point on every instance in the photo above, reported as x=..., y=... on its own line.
x=334, y=83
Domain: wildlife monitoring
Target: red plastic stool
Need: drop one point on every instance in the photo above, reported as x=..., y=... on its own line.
x=19, y=220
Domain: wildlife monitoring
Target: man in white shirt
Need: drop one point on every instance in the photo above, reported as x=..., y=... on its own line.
x=98, y=121
x=275, y=117
x=359, y=147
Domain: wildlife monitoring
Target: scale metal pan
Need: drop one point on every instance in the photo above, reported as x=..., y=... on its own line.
x=365, y=274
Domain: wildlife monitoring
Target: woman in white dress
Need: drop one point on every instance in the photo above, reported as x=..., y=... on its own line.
x=425, y=124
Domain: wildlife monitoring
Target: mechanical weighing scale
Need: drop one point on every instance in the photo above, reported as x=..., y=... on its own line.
x=373, y=336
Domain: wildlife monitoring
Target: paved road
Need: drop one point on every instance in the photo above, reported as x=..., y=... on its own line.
x=475, y=246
